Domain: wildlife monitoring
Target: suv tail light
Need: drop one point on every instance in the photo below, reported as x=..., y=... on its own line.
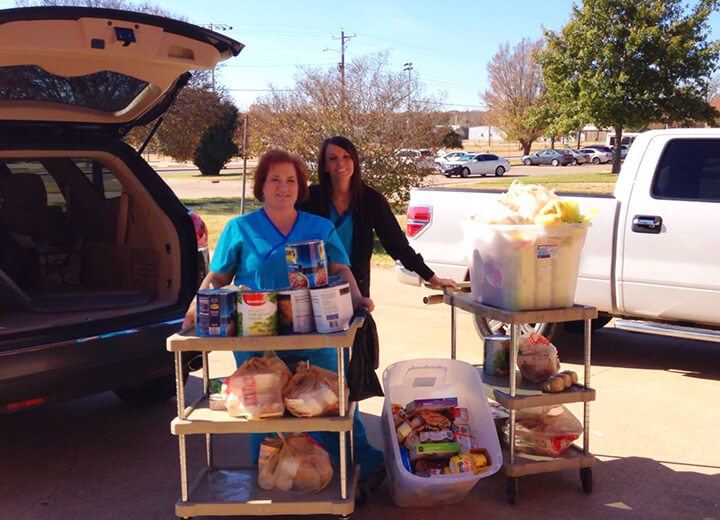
x=418, y=217
x=201, y=232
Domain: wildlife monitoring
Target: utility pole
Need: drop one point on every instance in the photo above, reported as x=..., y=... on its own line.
x=408, y=67
x=218, y=27
x=341, y=67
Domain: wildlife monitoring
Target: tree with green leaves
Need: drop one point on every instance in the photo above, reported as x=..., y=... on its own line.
x=216, y=145
x=514, y=93
x=625, y=64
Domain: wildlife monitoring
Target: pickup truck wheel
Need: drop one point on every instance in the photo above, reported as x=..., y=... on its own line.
x=596, y=160
x=499, y=171
x=555, y=162
x=527, y=162
x=485, y=327
x=465, y=172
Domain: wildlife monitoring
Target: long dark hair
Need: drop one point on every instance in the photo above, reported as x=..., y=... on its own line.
x=356, y=183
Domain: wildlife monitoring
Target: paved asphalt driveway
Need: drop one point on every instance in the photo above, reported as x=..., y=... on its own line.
x=654, y=431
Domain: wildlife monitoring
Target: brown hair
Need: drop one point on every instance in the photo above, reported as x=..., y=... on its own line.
x=272, y=157
x=356, y=183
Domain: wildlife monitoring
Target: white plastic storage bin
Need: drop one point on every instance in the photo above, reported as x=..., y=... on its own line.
x=435, y=378
x=524, y=267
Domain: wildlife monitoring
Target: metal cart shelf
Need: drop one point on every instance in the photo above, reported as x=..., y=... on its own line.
x=515, y=394
x=231, y=491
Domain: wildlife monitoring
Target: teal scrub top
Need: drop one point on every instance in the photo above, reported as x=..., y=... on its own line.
x=254, y=248
x=343, y=226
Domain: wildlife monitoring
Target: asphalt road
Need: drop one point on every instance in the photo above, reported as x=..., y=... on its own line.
x=188, y=185
x=653, y=429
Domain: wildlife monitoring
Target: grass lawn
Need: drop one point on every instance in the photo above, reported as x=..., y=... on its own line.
x=594, y=183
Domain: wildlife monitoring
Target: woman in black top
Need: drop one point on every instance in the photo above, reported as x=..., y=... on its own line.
x=357, y=210
x=342, y=195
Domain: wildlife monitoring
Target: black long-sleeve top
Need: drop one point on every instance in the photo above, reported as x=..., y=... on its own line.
x=372, y=213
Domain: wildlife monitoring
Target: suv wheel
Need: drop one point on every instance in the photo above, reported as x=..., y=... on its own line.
x=153, y=391
x=555, y=162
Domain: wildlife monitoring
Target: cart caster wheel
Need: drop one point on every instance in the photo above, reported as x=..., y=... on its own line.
x=512, y=489
x=586, y=480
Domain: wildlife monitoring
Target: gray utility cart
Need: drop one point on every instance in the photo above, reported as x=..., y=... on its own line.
x=230, y=491
x=516, y=394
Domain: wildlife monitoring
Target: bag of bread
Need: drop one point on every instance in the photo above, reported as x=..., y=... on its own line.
x=295, y=463
x=537, y=358
x=313, y=391
x=255, y=389
x=544, y=430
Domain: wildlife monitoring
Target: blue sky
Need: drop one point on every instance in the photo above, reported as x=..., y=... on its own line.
x=449, y=44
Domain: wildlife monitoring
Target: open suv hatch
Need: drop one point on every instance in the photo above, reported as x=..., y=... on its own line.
x=98, y=257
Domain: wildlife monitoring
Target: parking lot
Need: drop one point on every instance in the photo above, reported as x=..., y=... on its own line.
x=653, y=427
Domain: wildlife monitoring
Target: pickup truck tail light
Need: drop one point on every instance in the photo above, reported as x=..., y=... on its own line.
x=418, y=217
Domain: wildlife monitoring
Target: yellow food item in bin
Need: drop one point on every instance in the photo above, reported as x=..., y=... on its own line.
x=472, y=461
x=558, y=211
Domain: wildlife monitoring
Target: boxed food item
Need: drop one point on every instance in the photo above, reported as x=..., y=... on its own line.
x=216, y=313
x=431, y=404
x=525, y=250
x=435, y=379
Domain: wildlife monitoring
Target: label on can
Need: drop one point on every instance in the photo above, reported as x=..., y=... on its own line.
x=295, y=314
x=497, y=355
x=216, y=313
x=306, y=264
x=332, y=307
x=257, y=313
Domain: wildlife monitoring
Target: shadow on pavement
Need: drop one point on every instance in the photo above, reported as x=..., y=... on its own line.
x=619, y=348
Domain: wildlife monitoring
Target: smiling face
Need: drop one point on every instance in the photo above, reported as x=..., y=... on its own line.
x=339, y=164
x=280, y=190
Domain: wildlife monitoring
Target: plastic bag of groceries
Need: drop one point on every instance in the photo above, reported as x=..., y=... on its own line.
x=313, y=391
x=255, y=389
x=295, y=463
x=537, y=358
x=544, y=430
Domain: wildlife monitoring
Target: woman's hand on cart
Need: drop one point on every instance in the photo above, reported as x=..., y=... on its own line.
x=364, y=302
x=440, y=283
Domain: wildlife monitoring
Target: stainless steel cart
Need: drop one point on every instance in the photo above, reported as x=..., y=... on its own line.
x=516, y=394
x=228, y=491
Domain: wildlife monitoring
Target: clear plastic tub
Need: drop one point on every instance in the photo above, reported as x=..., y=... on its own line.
x=524, y=267
x=436, y=378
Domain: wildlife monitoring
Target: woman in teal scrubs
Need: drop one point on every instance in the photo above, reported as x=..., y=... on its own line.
x=251, y=252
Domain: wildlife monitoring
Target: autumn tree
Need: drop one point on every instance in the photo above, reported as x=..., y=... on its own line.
x=515, y=89
x=627, y=64
x=380, y=111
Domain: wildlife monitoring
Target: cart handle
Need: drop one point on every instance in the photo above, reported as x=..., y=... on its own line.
x=440, y=298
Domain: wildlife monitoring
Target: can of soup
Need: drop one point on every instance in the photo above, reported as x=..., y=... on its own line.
x=295, y=314
x=497, y=355
x=332, y=307
x=306, y=264
x=257, y=313
x=216, y=313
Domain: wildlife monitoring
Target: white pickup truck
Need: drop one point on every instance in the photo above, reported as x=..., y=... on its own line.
x=652, y=254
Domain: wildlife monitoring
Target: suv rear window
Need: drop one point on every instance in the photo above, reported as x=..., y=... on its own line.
x=689, y=169
x=106, y=91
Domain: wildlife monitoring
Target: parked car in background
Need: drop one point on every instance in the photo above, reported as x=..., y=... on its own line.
x=422, y=157
x=578, y=156
x=448, y=157
x=549, y=156
x=98, y=257
x=477, y=164
x=598, y=154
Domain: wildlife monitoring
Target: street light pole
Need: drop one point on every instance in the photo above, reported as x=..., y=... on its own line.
x=341, y=66
x=408, y=67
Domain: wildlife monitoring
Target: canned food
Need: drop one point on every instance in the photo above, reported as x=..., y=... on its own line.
x=332, y=307
x=295, y=314
x=257, y=313
x=216, y=313
x=306, y=264
x=497, y=355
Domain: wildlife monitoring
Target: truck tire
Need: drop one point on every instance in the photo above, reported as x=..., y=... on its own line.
x=555, y=162
x=499, y=171
x=486, y=327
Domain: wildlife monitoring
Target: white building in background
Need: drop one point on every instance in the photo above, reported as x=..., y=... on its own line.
x=486, y=133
